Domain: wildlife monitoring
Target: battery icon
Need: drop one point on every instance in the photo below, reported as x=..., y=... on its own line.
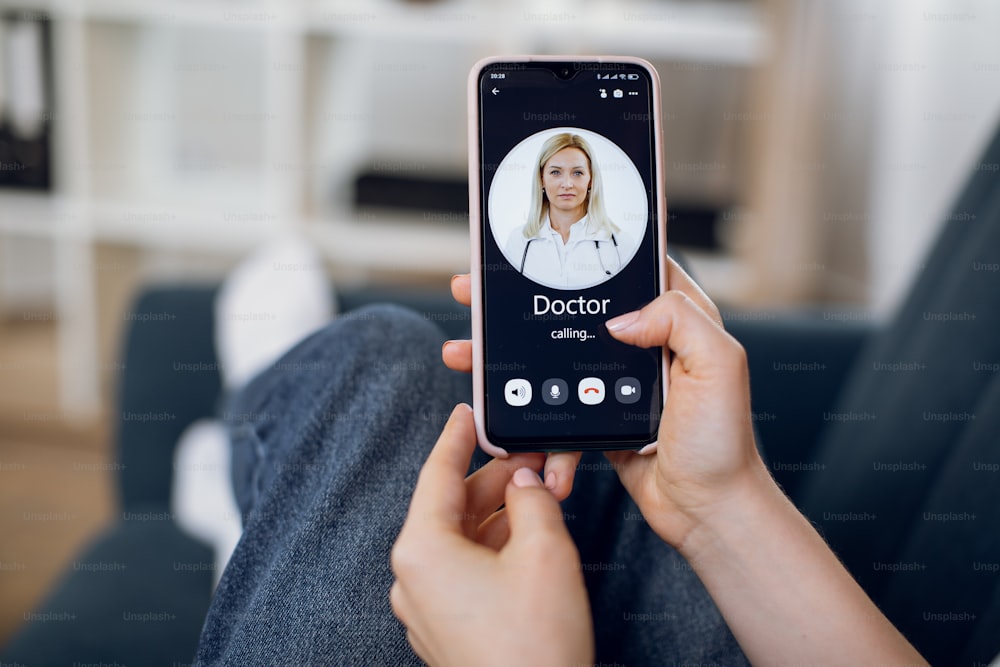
x=632, y=77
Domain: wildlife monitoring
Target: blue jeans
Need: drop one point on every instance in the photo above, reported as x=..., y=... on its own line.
x=327, y=444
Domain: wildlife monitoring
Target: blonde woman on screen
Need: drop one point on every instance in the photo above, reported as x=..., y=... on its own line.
x=568, y=241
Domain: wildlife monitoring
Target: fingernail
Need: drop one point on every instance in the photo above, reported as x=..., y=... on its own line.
x=622, y=322
x=525, y=477
x=550, y=481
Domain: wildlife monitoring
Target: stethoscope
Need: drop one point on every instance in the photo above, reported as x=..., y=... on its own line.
x=597, y=249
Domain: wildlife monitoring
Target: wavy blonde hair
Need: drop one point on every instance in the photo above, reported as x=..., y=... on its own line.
x=596, y=215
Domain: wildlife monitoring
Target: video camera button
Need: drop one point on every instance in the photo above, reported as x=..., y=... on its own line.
x=628, y=390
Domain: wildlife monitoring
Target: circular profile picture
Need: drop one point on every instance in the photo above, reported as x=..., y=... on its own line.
x=568, y=208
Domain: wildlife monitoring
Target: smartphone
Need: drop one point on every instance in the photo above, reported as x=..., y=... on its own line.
x=567, y=221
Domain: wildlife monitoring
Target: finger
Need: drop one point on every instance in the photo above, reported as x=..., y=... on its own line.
x=401, y=608
x=495, y=531
x=457, y=355
x=419, y=647
x=678, y=279
x=675, y=321
x=397, y=602
x=484, y=489
x=535, y=517
x=560, y=470
x=461, y=289
x=439, y=497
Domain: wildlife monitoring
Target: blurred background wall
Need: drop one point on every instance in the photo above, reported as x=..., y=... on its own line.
x=812, y=151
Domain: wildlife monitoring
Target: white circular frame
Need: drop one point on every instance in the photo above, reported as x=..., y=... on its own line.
x=625, y=199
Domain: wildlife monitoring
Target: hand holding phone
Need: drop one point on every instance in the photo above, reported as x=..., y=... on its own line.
x=707, y=492
x=567, y=225
x=535, y=612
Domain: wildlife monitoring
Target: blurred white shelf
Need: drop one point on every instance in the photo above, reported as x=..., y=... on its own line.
x=724, y=278
x=717, y=31
x=393, y=243
x=401, y=245
x=724, y=33
x=211, y=126
x=32, y=215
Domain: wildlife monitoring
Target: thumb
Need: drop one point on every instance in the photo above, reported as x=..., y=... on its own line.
x=674, y=320
x=533, y=513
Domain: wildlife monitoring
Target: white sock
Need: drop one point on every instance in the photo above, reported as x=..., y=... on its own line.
x=267, y=304
x=202, y=497
x=270, y=301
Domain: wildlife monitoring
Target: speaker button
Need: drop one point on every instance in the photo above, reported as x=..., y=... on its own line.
x=517, y=392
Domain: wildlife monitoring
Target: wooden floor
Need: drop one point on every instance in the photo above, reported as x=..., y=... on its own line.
x=56, y=489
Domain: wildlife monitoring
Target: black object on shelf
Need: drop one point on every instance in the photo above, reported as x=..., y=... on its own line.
x=691, y=225
x=439, y=194
x=26, y=100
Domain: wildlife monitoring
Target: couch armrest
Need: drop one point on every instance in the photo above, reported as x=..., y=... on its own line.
x=143, y=564
x=798, y=362
x=170, y=379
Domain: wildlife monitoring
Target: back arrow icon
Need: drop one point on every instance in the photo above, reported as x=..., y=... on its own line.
x=495, y=91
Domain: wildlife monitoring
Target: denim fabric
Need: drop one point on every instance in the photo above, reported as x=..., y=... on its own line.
x=327, y=445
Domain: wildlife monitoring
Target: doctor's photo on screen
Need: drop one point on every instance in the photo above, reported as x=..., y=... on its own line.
x=583, y=221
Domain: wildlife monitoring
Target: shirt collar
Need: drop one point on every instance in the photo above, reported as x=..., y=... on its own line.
x=581, y=230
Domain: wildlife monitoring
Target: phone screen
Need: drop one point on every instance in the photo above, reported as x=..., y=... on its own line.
x=570, y=237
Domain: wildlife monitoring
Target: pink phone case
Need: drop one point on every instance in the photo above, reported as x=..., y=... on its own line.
x=475, y=226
